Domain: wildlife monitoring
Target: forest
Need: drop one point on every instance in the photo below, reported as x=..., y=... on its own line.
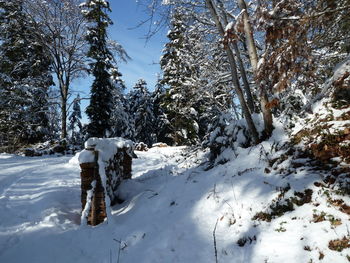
x=255, y=61
x=242, y=146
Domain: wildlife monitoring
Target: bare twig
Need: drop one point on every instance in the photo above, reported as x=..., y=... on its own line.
x=119, y=249
x=214, y=236
x=328, y=11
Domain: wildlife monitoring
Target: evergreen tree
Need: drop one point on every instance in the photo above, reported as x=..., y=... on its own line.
x=121, y=126
x=162, y=125
x=195, y=70
x=24, y=78
x=143, y=114
x=101, y=102
x=213, y=91
x=179, y=73
x=74, y=121
x=54, y=114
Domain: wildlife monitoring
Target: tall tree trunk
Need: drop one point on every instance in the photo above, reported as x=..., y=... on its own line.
x=64, y=118
x=64, y=99
x=246, y=86
x=234, y=74
x=248, y=92
x=253, y=56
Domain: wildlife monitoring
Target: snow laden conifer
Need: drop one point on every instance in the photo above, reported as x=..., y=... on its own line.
x=178, y=73
x=141, y=110
x=121, y=123
x=213, y=92
x=163, y=126
x=205, y=89
x=75, y=125
x=101, y=62
x=24, y=78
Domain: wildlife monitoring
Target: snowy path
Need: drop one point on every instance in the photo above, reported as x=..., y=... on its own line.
x=38, y=197
x=35, y=190
x=40, y=209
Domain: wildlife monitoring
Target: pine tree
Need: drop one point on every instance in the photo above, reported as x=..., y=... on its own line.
x=163, y=127
x=25, y=78
x=178, y=74
x=142, y=113
x=121, y=123
x=101, y=103
x=74, y=121
x=54, y=114
x=213, y=92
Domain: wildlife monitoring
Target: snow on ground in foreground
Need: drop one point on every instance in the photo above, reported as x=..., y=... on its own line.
x=169, y=215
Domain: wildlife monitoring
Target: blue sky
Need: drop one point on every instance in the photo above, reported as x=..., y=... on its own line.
x=127, y=14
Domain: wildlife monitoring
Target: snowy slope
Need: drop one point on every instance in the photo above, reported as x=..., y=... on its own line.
x=170, y=211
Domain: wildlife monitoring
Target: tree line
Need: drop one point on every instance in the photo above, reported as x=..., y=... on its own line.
x=228, y=68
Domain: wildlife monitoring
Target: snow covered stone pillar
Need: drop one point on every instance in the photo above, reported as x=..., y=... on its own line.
x=104, y=164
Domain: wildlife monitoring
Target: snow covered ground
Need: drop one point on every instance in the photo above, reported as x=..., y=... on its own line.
x=172, y=212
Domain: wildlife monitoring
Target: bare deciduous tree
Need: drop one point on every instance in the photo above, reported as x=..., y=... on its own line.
x=234, y=74
x=61, y=31
x=253, y=57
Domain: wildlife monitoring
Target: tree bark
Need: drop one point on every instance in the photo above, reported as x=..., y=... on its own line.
x=248, y=31
x=248, y=92
x=234, y=74
x=253, y=56
x=246, y=86
x=64, y=118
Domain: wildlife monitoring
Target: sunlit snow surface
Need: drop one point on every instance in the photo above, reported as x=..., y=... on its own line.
x=170, y=210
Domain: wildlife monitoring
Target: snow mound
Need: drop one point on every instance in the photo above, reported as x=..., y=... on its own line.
x=108, y=147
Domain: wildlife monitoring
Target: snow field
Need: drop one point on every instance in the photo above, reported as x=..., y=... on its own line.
x=171, y=208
